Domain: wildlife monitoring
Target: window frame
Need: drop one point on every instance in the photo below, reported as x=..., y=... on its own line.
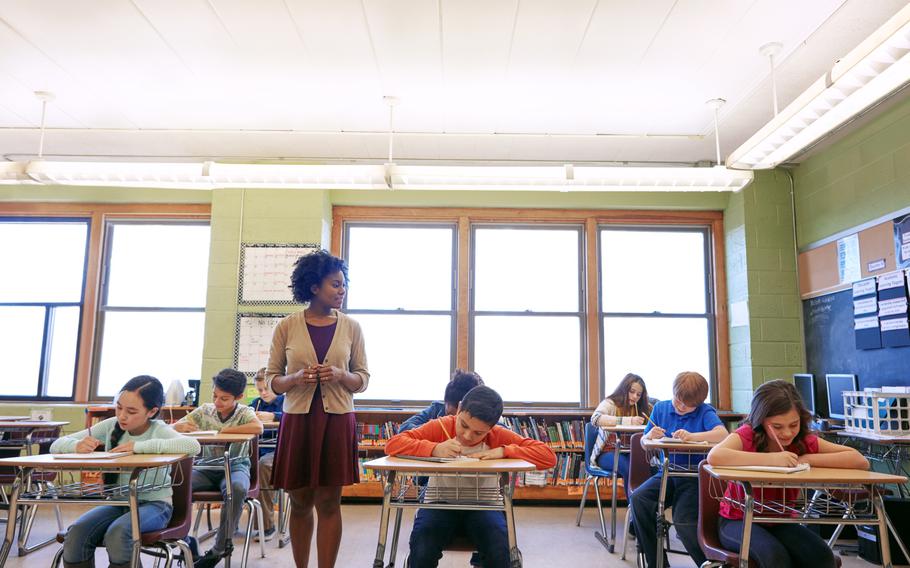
x=98, y=213
x=709, y=315
x=453, y=306
x=41, y=391
x=104, y=289
x=591, y=219
x=473, y=312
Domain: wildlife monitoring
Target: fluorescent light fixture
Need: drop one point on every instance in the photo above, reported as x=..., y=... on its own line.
x=210, y=175
x=876, y=68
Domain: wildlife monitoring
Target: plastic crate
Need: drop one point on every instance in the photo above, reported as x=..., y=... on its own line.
x=877, y=413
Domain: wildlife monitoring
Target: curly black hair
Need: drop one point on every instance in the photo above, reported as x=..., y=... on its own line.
x=311, y=269
x=461, y=382
x=230, y=381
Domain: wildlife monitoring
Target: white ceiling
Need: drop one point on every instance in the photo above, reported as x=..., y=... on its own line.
x=479, y=80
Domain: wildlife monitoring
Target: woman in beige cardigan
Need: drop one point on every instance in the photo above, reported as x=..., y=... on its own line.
x=318, y=361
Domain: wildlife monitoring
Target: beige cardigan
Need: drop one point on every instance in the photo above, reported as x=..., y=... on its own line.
x=292, y=350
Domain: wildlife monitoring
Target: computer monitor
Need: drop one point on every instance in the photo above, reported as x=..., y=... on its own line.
x=805, y=386
x=837, y=384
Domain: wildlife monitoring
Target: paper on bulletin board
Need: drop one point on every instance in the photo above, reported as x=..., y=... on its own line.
x=902, y=241
x=254, y=339
x=265, y=276
x=848, y=263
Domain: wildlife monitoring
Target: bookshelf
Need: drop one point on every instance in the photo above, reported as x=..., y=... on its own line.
x=563, y=483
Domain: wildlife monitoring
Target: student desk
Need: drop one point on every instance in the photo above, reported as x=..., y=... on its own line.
x=893, y=451
x=236, y=447
x=400, y=491
x=622, y=435
x=834, y=500
x=28, y=431
x=12, y=418
x=685, y=465
x=93, y=494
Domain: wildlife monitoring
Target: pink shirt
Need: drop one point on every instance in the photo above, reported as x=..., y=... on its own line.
x=735, y=491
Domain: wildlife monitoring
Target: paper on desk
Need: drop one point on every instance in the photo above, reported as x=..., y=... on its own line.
x=91, y=456
x=440, y=460
x=678, y=441
x=767, y=468
x=201, y=433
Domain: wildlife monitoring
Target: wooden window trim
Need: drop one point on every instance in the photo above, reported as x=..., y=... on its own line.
x=98, y=215
x=589, y=219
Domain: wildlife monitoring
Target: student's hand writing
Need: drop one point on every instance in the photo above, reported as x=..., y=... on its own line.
x=266, y=416
x=185, y=427
x=126, y=447
x=683, y=435
x=87, y=444
x=656, y=432
x=494, y=454
x=448, y=449
x=785, y=459
x=637, y=421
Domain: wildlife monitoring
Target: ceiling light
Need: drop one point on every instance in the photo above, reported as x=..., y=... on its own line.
x=875, y=69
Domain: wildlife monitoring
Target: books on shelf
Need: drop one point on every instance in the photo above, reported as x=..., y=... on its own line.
x=376, y=434
x=559, y=434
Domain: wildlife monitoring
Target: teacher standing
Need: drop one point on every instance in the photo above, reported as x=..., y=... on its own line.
x=317, y=360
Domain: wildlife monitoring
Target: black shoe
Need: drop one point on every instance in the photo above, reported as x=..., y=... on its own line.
x=269, y=533
x=208, y=560
x=476, y=559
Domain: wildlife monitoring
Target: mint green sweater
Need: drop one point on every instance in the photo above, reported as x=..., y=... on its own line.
x=158, y=439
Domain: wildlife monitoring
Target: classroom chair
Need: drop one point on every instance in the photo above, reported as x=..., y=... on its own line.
x=251, y=504
x=708, y=539
x=595, y=474
x=639, y=472
x=165, y=542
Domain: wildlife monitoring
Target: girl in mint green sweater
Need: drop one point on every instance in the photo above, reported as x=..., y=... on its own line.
x=133, y=429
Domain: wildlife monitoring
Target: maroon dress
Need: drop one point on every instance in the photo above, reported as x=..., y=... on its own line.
x=316, y=449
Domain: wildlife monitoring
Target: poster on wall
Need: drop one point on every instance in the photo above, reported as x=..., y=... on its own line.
x=902, y=241
x=252, y=340
x=265, y=272
x=848, y=264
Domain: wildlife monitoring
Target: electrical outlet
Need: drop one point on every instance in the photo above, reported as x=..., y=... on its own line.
x=43, y=414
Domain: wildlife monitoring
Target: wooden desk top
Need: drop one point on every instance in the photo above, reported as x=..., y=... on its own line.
x=222, y=438
x=873, y=438
x=271, y=425
x=811, y=475
x=677, y=447
x=13, y=418
x=484, y=466
x=47, y=461
x=624, y=429
x=31, y=424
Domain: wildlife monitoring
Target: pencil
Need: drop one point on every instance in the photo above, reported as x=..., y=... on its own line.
x=444, y=430
x=776, y=439
x=651, y=421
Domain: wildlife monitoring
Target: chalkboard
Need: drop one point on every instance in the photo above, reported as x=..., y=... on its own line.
x=831, y=348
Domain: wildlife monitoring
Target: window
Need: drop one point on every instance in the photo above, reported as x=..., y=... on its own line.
x=42, y=278
x=527, y=312
x=402, y=293
x=655, y=298
x=152, y=313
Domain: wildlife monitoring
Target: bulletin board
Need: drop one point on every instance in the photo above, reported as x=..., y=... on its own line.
x=253, y=337
x=265, y=272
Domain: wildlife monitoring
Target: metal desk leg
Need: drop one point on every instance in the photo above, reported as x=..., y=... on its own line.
x=507, y=483
x=379, y=560
x=227, y=508
x=747, y=524
x=883, y=540
x=24, y=473
x=616, y=452
x=395, y=534
x=661, y=498
x=897, y=537
x=600, y=535
x=134, y=519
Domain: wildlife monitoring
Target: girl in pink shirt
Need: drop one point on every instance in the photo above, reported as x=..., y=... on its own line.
x=777, y=433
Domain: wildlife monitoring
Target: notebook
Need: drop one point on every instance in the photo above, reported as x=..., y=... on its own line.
x=91, y=456
x=767, y=468
x=678, y=441
x=440, y=460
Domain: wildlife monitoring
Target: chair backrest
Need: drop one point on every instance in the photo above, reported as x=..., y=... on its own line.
x=591, y=432
x=254, y=464
x=182, y=498
x=639, y=466
x=708, y=510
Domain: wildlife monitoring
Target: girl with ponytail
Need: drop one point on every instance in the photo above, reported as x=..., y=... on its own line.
x=133, y=429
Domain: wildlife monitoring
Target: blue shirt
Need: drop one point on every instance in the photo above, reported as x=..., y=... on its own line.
x=702, y=419
x=275, y=407
x=435, y=410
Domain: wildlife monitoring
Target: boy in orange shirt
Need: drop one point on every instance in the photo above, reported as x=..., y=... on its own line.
x=472, y=432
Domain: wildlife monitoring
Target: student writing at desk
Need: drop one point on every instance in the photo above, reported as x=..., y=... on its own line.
x=777, y=433
x=687, y=417
x=627, y=406
x=268, y=408
x=471, y=432
x=133, y=429
x=225, y=415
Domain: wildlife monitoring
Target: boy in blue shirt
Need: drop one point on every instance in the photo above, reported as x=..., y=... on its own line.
x=461, y=382
x=686, y=417
x=269, y=408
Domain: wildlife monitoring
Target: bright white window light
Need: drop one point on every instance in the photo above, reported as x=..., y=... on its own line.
x=876, y=68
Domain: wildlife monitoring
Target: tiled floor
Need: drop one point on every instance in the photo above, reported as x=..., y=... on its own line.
x=547, y=537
